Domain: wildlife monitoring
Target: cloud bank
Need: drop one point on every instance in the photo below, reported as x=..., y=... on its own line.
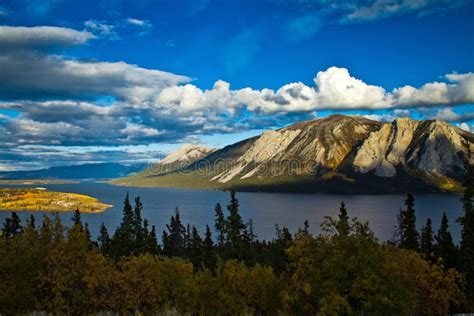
x=54, y=100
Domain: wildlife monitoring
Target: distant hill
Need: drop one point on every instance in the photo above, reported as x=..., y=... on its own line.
x=77, y=172
x=336, y=154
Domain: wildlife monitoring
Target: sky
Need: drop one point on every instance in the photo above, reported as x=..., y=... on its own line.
x=124, y=81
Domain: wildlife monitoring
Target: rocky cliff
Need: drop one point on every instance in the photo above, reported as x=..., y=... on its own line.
x=344, y=154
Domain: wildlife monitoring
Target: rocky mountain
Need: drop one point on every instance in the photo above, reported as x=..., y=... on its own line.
x=76, y=172
x=187, y=154
x=180, y=158
x=344, y=154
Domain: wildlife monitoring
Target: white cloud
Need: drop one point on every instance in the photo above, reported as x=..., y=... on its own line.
x=101, y=28
x=466, y=127
x=134, y=130
x=446, y=114
x=136, y=22
x=334, y=88
x=144, y=24
x=41, y=36
x=460, y=89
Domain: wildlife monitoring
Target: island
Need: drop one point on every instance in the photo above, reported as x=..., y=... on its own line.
x=42, y=200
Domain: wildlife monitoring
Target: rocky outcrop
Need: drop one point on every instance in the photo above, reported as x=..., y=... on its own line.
x=307, y=147
x=187, y=154
x=431, y=147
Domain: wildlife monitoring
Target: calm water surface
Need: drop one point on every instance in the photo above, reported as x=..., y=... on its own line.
x=266, y=209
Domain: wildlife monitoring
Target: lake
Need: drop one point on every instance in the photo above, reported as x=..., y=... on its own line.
x=266, y=209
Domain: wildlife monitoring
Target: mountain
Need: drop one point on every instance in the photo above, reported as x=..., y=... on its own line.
x=180, y=158
x=76, y=172
x=336, y=154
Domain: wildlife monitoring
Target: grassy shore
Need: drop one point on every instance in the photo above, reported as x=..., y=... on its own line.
x=39, y=199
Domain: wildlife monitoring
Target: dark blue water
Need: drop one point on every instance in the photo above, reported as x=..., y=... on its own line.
x=266, y=209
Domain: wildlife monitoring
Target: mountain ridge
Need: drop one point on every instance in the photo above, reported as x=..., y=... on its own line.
x=343, y=154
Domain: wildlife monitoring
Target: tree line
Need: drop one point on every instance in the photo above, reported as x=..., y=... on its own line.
x=60, y=268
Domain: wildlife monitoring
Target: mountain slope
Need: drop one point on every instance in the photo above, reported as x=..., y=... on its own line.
x=339, y=153
x=179, y=159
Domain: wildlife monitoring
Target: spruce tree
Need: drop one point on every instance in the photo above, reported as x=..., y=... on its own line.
x=195, y=248
x=251, y=237
x=174, y=239
x=32, y=222
x=342, y=225
x=277, y=256
x=208, y=251
x=92, y=243
x=12, y=226
x=152, y=245
x=306, y=227
x=408, y=233
x=235, y=230
x=220, y=225
x=426, y=244
x=123, y=241
x=139, y=235
x=187, y=238
x=444, y=247
x=467, y=232
x=76, y=219
x=104, y=239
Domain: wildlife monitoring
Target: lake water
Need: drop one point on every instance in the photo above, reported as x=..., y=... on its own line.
x=266, y=209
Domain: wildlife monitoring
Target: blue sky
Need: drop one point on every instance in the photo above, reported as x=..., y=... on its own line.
x=90, y=81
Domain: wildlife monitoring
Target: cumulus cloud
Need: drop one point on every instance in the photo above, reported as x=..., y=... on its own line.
x=334, y=88
x=56, y=100
x=459, y=89
x=449, y=115
x=466, y=127
x=41, y=36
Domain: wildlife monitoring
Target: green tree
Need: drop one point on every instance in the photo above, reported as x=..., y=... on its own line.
x=426, y=244
x=123, y=242
x=220, y=225
x=276, y=251
x=208, y=251
x=407, y=225
x=467, y=232
x=104, y=239
x=342, y=226
x=306, y=227
x=140, y=235
x=174, y=238
x=444, y=247
x=235, y=231
x=31, y=222
x=195, y=248
x=12, y=226
x=152, y=242
x=76, y=219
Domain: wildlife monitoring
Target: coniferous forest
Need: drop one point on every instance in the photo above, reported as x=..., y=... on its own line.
x=225, y=270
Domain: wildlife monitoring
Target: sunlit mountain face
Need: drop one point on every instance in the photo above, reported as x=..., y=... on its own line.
x=119, y=82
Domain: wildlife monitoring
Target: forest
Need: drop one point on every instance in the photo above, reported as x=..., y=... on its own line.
x=58, y=267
